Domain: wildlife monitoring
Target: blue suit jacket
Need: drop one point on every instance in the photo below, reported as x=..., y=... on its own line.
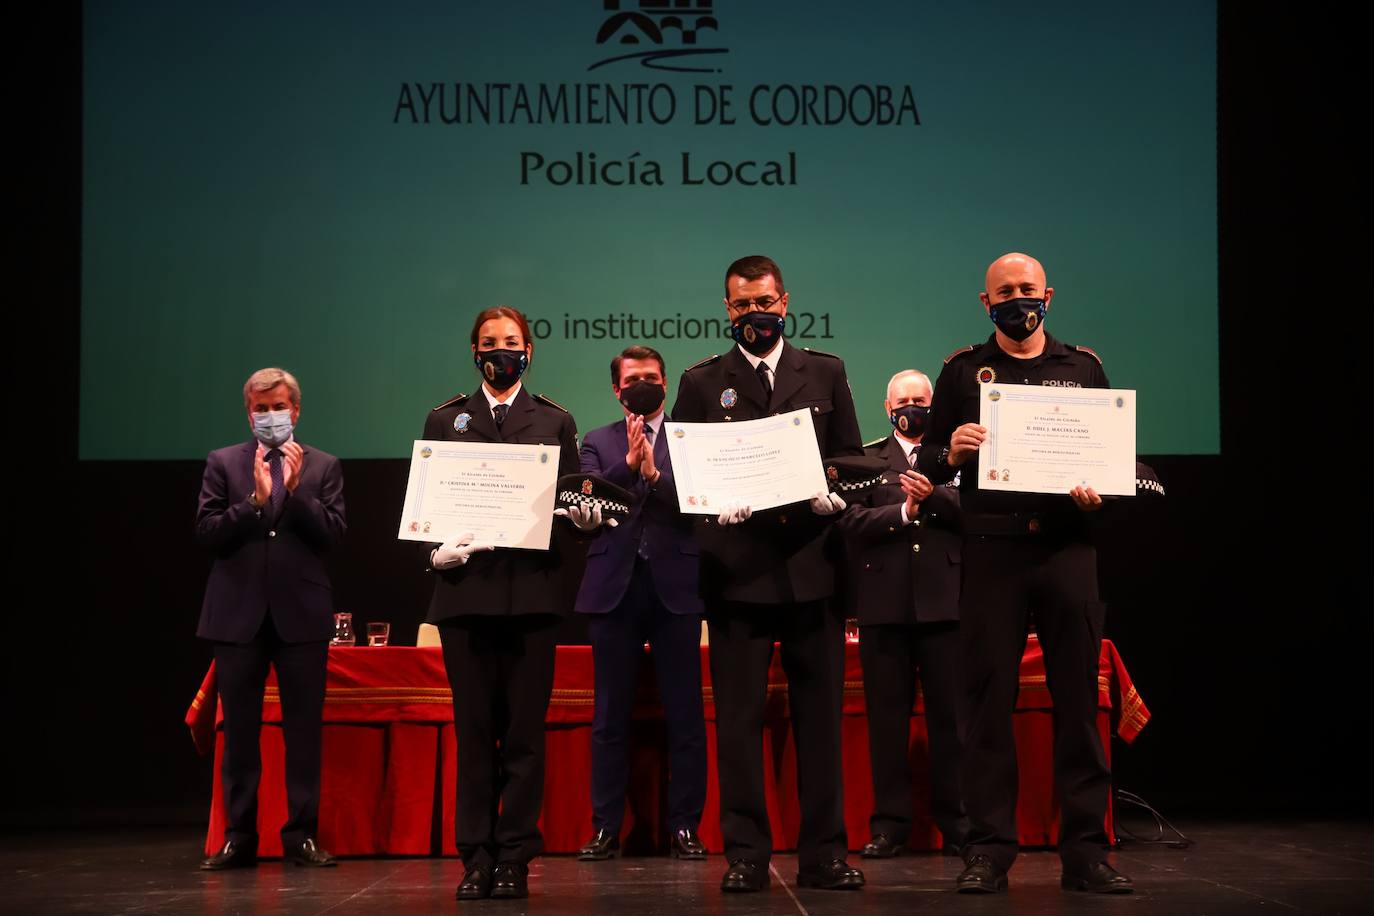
x=654, y=520
x=261, y=567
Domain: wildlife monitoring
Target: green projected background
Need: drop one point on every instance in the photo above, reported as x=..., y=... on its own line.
x=278, y=184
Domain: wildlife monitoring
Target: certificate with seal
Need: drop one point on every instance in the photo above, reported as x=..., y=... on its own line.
x=757, y=463
x=1044, y=439
x=500, y=492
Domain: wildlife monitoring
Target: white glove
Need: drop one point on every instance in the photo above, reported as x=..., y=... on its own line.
x=456, y=552
x=827, y=503
x=586, y=518
x=734, y=513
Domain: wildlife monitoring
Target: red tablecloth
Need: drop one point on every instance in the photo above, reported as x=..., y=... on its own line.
x=388, y=748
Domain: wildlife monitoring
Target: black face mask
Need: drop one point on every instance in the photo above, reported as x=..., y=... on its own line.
x=642, y=398
x=758, y=332
x=1018, y=318
x=910, y=420
x=501, y=368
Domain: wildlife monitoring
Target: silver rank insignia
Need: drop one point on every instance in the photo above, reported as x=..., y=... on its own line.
x=460, y=422
x=729, y=398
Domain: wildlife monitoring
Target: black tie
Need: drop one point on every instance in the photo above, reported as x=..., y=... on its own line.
x=648, y=434
x=499, y=413
x=765, y=381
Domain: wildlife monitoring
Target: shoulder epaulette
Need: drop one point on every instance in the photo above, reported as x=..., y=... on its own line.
x=819, y=352
x=1088, y=350
x=545, y=399
x=453, y=400
x=876, y=442
x=705, y=362
x=959, y=352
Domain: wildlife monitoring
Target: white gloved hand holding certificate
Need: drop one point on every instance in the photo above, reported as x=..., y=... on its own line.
x=456, y=552
x=827, y=503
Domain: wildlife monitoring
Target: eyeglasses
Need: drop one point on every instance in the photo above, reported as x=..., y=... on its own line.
x=762, y=303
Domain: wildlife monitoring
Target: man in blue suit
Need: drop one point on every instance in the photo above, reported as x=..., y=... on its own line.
x=640, y=586
x=270, y=509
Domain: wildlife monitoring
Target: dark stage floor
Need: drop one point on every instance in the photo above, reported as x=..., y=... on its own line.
x=1290, y=867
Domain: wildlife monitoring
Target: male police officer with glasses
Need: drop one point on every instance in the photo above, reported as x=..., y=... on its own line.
x=769, y=577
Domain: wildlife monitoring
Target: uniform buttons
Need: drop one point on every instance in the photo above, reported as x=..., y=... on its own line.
x=272, y=533
x=890, y=529
x=915, y=548
x=782, y=520
x=868, y=566
x=916, y=523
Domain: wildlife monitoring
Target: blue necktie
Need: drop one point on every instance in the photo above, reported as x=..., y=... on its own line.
x=278, y=497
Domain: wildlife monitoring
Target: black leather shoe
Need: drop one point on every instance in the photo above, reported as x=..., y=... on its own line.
x=309, y=854
x=881, y=847
x=233, y=855
x=510, y=880
x=980, y=876
x=835, y=875
x=602, y=845
x=476, y=884
x=686, y=844
x=1100, y=879
x=743, y=877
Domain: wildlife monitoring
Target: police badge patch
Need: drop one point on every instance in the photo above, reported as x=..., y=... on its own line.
x=460, y=422
x=729, y=398
x=985, y=375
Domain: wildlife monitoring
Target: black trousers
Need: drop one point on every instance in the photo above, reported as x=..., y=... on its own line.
x=241, y=671
x=812, y=643
x=617, y=647
x=501, y=672
x=1008, y=583
x=892, y=655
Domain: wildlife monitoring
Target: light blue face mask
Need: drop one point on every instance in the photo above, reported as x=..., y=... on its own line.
x=272, y=427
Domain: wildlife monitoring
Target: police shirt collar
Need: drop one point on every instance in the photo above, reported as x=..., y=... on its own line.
x=772, y=359
x=990, y=350
x=509, y=401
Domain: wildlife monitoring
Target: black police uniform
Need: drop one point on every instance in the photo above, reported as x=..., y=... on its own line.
x=771, y=579
x=498, y=617
x=903, y=585
x=1027, y=557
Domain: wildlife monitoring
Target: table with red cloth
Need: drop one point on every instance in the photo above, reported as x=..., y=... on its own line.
x=387, y=786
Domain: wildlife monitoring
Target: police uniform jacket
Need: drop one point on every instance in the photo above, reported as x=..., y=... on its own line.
x=506, y=582
x=956, y=402
x=778, y=556
x=902, y=573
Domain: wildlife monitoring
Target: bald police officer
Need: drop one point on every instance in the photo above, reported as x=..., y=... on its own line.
x=1027, y=560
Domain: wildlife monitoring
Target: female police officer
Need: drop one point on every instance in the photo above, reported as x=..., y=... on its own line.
x=497, y=613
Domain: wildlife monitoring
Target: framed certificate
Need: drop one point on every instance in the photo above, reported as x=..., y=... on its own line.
x=501, y=493
x=757, y=463
x=1044, y=439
